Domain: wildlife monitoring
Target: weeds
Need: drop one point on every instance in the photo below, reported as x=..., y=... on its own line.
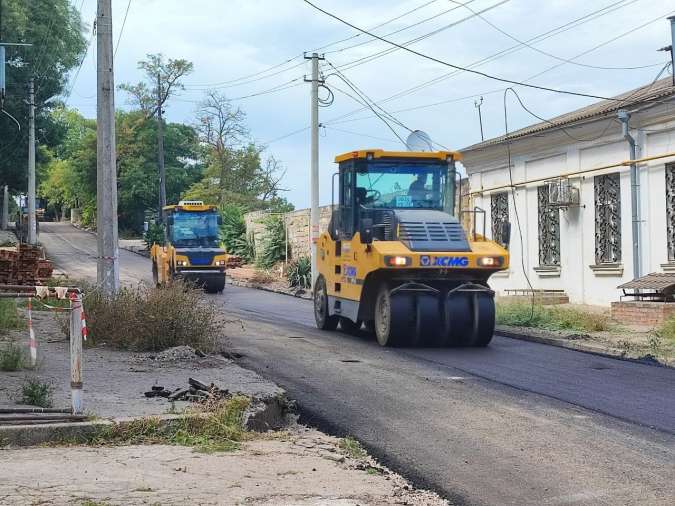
x=667, y=330
x=550, y=318
x=274, y=242
x=300, y=273
x=37, y=393
x=152, y=319
x=9, y=316
x=233, y=232
x=352, y=448
x=210, y=427
x=11, y=357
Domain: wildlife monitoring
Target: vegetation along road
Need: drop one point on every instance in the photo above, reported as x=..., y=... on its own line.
x=516, y=423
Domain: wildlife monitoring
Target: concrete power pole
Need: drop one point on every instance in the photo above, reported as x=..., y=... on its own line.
x=108, y=274
x=314, y=169
x=32, y=218
x=160, y=149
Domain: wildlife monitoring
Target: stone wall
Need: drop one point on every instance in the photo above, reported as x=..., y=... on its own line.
x=297, y=226
x=648, y=314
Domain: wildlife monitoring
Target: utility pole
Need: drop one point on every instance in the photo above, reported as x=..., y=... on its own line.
x=671, y=48
x=160, y=149
x=32, y=218
x=108, y=274
x=314, y=169
x=477, y=105
x=5, y=209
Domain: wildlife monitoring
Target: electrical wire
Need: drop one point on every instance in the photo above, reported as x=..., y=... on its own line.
x=359, y=134
x=458, y=67
x=79, y=68
x=124, y=22
x=545, y=53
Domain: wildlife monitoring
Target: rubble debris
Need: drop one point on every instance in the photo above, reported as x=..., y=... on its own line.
x=24, y=265
x=197, y=391
x=177, y=354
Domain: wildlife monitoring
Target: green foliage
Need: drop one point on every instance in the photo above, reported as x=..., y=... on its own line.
x=11, y=357
x=522, y=314
x=9, y=316
x=216, y=426
x=37, y=393
x=152, y=319
x=352, y=448
x=55, y=29
x=300, y=273
x=667, y=330
x=154, y=235
x=233, y=233
x=274, y=242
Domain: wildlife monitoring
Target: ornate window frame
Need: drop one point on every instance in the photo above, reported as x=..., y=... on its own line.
x=499, y=214
x=607, y=190
x=670, y=210
x=548, y=221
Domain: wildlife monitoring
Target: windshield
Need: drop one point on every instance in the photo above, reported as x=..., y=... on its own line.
x=195, y=229
x=405, y=186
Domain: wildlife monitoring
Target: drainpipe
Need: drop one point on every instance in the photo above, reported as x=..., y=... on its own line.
x=624, y=117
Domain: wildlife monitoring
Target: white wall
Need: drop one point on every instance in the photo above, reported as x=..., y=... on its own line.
x=577, y=224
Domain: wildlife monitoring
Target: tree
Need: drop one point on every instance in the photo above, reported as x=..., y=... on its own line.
x=54, y=27
x=235, y=171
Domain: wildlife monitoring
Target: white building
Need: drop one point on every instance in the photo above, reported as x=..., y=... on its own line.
x=586, y=247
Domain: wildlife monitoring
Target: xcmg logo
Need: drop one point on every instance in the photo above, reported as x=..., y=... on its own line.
x=429, y=261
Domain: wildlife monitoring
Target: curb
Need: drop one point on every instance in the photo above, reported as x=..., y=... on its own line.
x=248, y=284
x=264, y=414
x=577, y=345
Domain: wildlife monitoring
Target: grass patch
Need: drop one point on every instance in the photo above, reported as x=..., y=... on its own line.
x=40, y=305
x=152, y=319
x=210, y=427
x=11, y=357
x=352, y=448
x=521, y=314
x=9, y=316
x=37, y=393
x=667, y=330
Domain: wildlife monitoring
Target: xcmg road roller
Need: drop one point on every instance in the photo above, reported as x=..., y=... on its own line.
x=397, y=259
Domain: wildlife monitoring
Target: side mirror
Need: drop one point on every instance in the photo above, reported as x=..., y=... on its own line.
x=506, y=234
x=169, y=220
x=366, y=231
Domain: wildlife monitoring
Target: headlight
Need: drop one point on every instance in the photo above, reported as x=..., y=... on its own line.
x=181, y=263
x=397, y=261
x=220, y=262
x=490, y=261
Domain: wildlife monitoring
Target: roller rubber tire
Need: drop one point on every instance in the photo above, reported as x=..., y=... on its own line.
x=349, y=326
x=428, y=323
x=484, y=324
x=324, y=321
x=214, y=286
x=394, y=317
x=458, y=315
x=155, y=274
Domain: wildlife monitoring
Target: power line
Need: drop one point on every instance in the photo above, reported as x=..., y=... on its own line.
x=124, y=22
x=458, y=67
x=545, y=53
x=359, y=134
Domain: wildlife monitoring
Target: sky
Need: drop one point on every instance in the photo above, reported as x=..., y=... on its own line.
x=230, y=40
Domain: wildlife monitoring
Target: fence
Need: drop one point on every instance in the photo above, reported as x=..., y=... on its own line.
x=78, y=331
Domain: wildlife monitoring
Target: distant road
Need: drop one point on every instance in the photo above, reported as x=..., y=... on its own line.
x=516, y=423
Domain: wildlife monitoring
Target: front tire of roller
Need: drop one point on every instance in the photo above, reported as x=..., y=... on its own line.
x=394, y=317
x=484, y=323
x=324, y=320
x=155, y=274
x=349, y=326
x=427, y=321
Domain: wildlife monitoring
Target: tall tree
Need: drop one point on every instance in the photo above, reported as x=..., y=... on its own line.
x=55, y=29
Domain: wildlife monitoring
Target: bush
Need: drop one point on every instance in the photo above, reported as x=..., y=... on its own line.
x=152, y=319
x=154, y=235
x=11, y=357
x=300, y=273
x=667, y=330
x=274, y=242
x=37, y=393
x=9, y=316
x=521, y=314
x=233, y=233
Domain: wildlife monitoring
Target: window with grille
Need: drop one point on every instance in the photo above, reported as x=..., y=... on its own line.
x=670, y=210
x=549, y=229
x=607, y=219
x=499, y=211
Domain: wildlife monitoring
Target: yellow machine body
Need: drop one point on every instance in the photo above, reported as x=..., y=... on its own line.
x=191, y=250
x=399, y=260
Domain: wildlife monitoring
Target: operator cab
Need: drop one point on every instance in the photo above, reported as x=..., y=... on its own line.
x=380, y=189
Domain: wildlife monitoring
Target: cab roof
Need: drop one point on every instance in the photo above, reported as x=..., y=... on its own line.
x=190, y=207
x=381, y=153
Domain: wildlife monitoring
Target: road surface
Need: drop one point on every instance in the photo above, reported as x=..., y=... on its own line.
x=516, y=423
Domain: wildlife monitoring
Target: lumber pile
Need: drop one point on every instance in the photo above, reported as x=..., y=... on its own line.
x=24, y=265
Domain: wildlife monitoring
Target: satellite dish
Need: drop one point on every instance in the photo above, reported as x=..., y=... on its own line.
x=419, y=141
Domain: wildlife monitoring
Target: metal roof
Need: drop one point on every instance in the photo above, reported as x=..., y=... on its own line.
x=656, y=90
x=380, y=153
x=663, y=282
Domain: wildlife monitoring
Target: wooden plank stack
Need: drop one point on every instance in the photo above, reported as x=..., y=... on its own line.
x=24, y=265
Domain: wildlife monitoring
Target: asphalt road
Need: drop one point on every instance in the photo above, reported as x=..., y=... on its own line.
x=516, y=423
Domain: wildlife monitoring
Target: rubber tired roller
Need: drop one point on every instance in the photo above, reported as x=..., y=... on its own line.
x=397, y=258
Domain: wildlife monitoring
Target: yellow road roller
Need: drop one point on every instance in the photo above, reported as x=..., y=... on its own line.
x=397, y=259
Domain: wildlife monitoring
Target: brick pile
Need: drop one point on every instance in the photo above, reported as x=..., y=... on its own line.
x=24, y=265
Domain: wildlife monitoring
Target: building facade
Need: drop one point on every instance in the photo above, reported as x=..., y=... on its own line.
x=568, y=195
